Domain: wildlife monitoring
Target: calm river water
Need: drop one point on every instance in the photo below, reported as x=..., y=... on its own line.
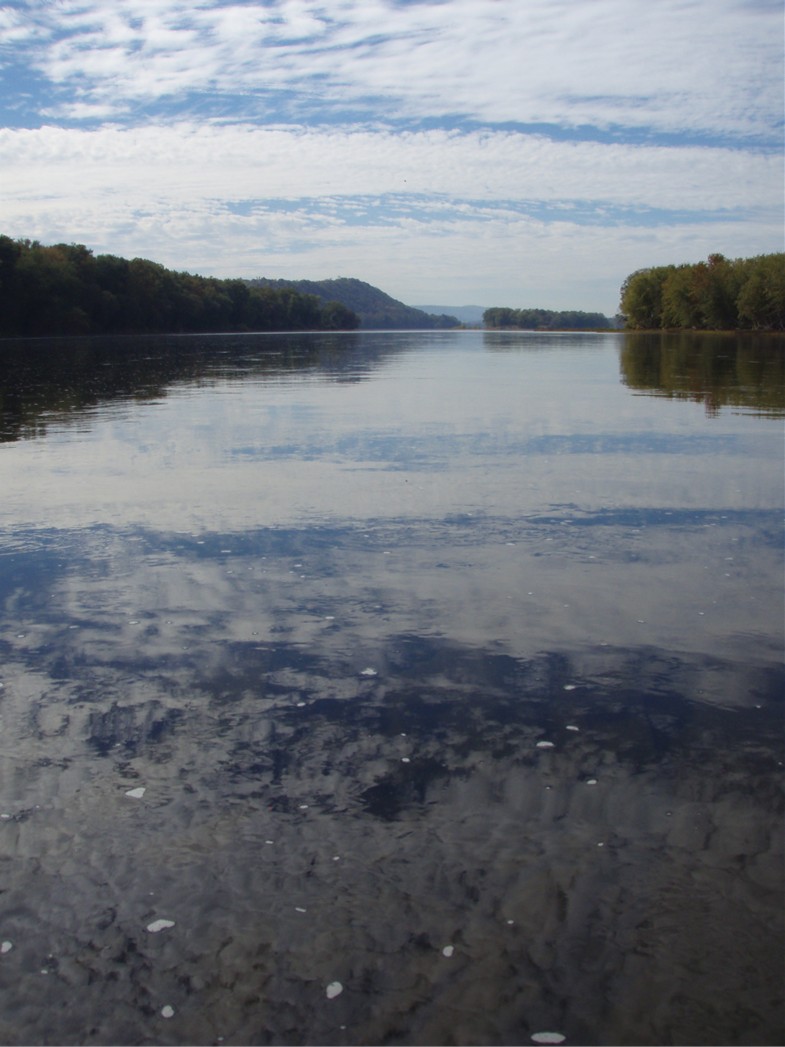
x=396, y=688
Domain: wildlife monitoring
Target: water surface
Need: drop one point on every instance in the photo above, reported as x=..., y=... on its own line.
x=414, y=642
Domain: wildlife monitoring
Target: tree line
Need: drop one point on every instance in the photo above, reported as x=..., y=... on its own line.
x=544, y=319
x=66, y=289
x=720, y=294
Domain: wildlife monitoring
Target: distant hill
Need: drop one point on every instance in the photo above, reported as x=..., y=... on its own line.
x=467, y=314
x=374, y=308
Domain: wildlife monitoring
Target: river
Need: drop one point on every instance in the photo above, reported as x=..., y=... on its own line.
x=392, y=688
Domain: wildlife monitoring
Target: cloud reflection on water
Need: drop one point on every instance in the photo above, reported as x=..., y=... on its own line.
x=194, y=622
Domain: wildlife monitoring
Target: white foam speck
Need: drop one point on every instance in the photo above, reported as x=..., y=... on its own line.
x=548, y=1037
x=6, y=947
x=570, y=686
x=544, y=745
x=159, y=925
x=269, y=841
x=572, y=727
x=136, y=794
x=334, y=989
x=297, y=908
x=448, y=950
x=591, y=781
x=368, y=672
x=405, y=759
x=303, y=806
x=167, y=1011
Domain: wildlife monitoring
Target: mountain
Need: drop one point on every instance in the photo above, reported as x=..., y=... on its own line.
x=467, y=314
x=375, y=308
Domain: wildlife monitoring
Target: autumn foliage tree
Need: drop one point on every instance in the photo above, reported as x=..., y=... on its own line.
x=717, y=295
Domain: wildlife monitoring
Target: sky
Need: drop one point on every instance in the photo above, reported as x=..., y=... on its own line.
x=524, y=153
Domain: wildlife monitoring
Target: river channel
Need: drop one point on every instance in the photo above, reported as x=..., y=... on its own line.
x=392, y=688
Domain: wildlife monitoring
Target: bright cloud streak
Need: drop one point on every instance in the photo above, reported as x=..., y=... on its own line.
x=521, y=152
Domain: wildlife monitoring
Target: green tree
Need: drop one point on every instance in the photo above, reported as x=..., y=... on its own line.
x=337, y=317
x=678, y=305
x=761, y=300
x=719, y=294
x=64, y=289
x=641, y=297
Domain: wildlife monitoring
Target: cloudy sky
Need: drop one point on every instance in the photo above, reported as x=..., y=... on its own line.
x=493, y=152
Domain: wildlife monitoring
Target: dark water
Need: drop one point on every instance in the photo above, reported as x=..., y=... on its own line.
x=450, y=666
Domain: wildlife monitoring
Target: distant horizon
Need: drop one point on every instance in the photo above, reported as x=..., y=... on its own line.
x=445, y=149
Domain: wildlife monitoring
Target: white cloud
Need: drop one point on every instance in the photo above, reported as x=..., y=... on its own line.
x=703, y=66
x=187, y=162
x=461, y=211
x=222, y=157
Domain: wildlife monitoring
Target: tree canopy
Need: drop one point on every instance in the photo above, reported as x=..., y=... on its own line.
x=544, y=319
x=66, y=289
x=720, y=294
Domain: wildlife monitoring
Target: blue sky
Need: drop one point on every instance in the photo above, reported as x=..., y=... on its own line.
x=492, y=152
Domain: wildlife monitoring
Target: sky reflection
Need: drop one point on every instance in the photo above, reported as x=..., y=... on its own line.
x=460, y=646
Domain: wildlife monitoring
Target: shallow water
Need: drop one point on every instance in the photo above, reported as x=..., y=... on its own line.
x=284, y=624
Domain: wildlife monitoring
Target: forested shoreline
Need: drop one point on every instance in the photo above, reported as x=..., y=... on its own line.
x=65, y=289
x=721, y=294
x=544, y=320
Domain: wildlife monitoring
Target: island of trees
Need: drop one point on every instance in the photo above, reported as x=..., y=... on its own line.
x=720, y=294
x=545, y=320
x=66, y=289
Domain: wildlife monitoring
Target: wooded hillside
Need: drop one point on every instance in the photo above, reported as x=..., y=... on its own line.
x=374, y=308
x=66, y=289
